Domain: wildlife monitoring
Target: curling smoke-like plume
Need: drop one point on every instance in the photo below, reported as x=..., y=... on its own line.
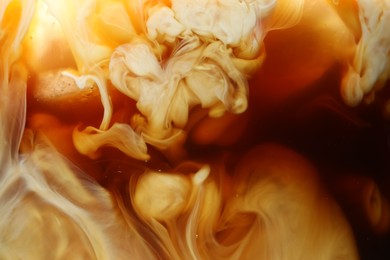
x=169, y=57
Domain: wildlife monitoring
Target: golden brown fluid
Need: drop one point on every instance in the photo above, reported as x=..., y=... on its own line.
x=193, y=129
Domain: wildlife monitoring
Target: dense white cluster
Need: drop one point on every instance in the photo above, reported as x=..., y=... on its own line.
x=370, y=68
x=169, y=57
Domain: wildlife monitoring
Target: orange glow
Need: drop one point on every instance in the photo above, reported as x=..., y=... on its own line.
x=193, y=129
